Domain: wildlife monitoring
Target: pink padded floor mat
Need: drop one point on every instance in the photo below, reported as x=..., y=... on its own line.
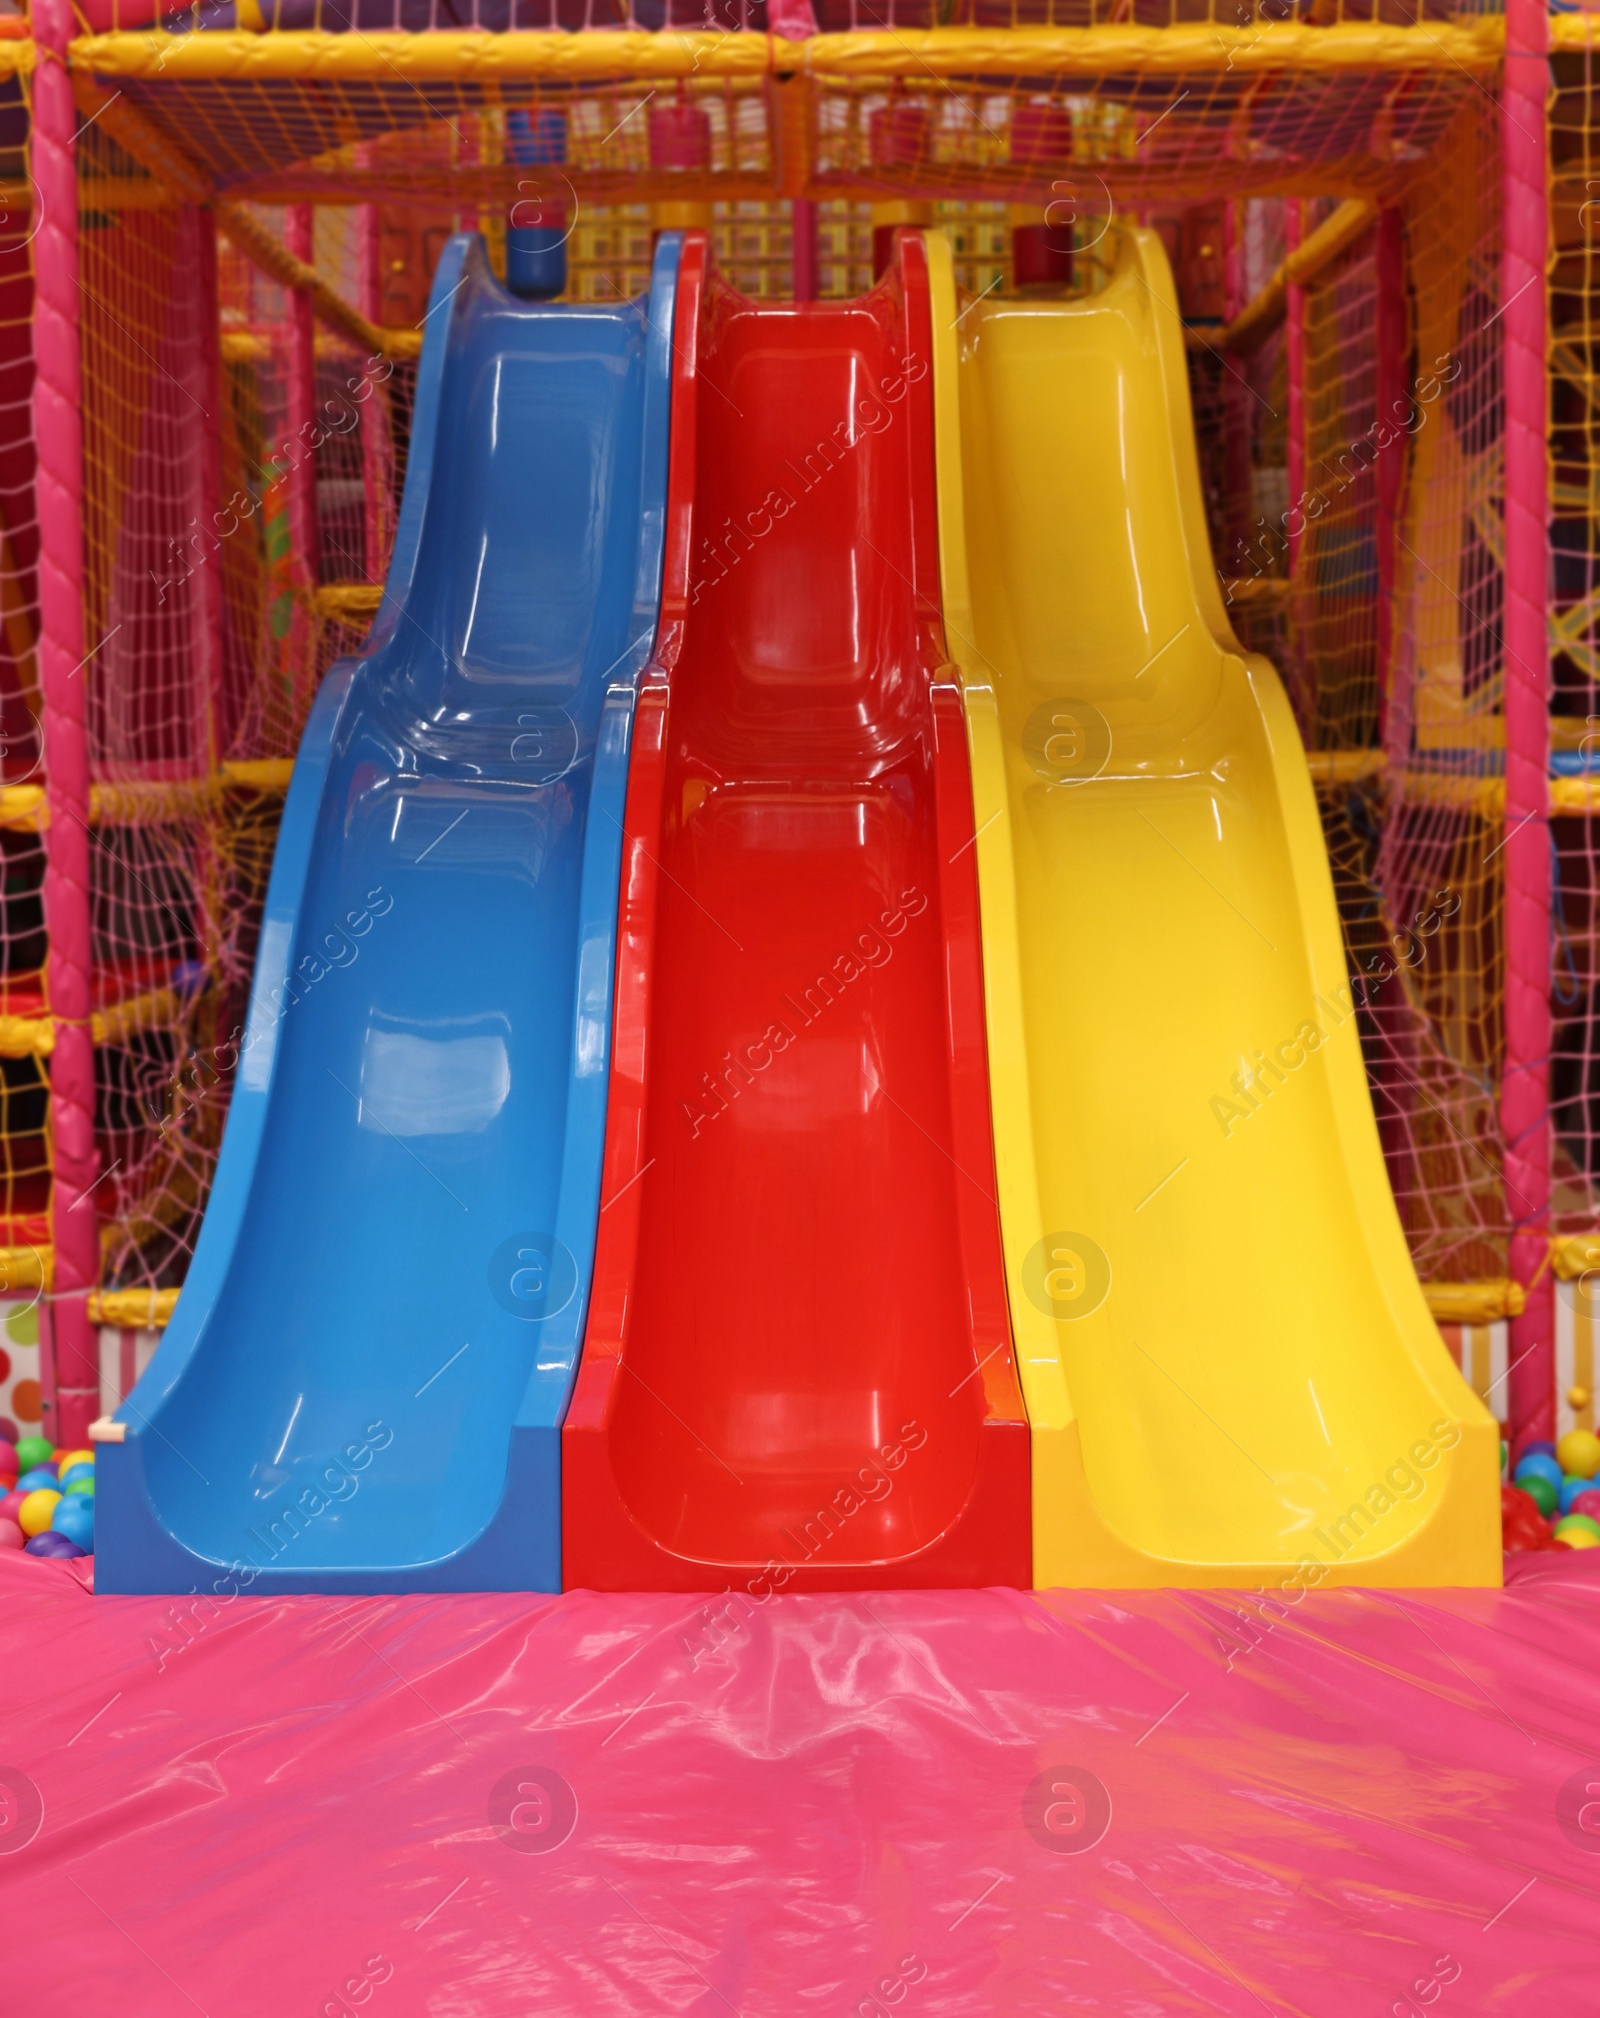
x=925, y=1805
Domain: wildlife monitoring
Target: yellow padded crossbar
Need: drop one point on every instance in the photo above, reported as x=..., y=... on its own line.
x=1120, y=49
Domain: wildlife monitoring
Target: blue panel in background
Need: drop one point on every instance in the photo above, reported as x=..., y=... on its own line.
x=363, y=1384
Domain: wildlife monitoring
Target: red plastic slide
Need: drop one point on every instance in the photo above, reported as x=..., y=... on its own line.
x=798, y=1370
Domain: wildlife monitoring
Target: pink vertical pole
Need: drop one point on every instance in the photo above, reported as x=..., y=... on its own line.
x=803, y=215
x=1294, y=337
x=1525, y=1083
x=301, y=401
x=72, y=1382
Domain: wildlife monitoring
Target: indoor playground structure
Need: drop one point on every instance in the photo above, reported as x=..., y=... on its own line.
x=800, y=807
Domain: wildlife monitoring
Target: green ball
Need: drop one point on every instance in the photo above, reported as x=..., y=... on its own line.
x=1540, y=1491
x=1585, y=1521
x=31, y=1451
x=83, y=1485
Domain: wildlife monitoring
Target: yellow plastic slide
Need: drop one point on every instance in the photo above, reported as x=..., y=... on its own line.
x=1229, y=1367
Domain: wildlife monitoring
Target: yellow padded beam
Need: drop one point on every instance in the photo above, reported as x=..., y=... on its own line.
x=1120, y=49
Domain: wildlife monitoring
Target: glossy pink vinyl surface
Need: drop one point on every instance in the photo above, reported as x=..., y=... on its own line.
x=875, y=1803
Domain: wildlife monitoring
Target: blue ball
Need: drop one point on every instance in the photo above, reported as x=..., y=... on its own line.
x=1570, y=1489
x=40, y=1479
x=1537, y=1465
x=74, y=1518
x=74, y=1472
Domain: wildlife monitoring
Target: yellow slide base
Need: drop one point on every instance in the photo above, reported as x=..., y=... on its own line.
x=1230, y=1370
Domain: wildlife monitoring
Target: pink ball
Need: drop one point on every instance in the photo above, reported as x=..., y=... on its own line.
x=1587, y=1503
x=8, y=1461
x=10, y=1504
x=10, y=1535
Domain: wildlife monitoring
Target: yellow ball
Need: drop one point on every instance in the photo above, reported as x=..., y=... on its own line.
x=1578, y=1538
x=1578, y=1397
x=71, y=1457
x=1578, y=1453
x=37, y=1511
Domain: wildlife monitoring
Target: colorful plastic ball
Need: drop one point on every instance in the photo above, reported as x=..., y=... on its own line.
x=1536, y=1464
x=1570, y=1489
x=37, y=1511
x=74, y=1518
x=1539, y=1489
x=71, y=1474
x=1522, y=1524
x=11, y=1504
x=1578, y=1453
x=1578, y=1538
x=83, y=1487
x=40, y=1476
x=8, y=1464
x=51, y=1544
x=1578, y=1521
x=65, y=1459
x=1540, y=1447
x=11, y=1536
x=32, y=1450
x=1586, y=1503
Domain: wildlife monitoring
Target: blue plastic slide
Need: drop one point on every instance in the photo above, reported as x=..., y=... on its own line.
x=362, y=1386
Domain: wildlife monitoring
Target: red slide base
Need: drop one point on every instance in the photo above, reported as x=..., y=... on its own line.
x=798, y=1367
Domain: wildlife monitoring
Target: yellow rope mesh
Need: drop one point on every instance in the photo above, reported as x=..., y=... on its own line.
x=1575, y=630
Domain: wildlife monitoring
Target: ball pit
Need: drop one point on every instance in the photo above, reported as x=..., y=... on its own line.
x=47, y=1505
x=1540, y=1489
x=37, y=1511
x=74, y=1517
x=1578, y=1453
x=51, y=1544
x=1522, y=1524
